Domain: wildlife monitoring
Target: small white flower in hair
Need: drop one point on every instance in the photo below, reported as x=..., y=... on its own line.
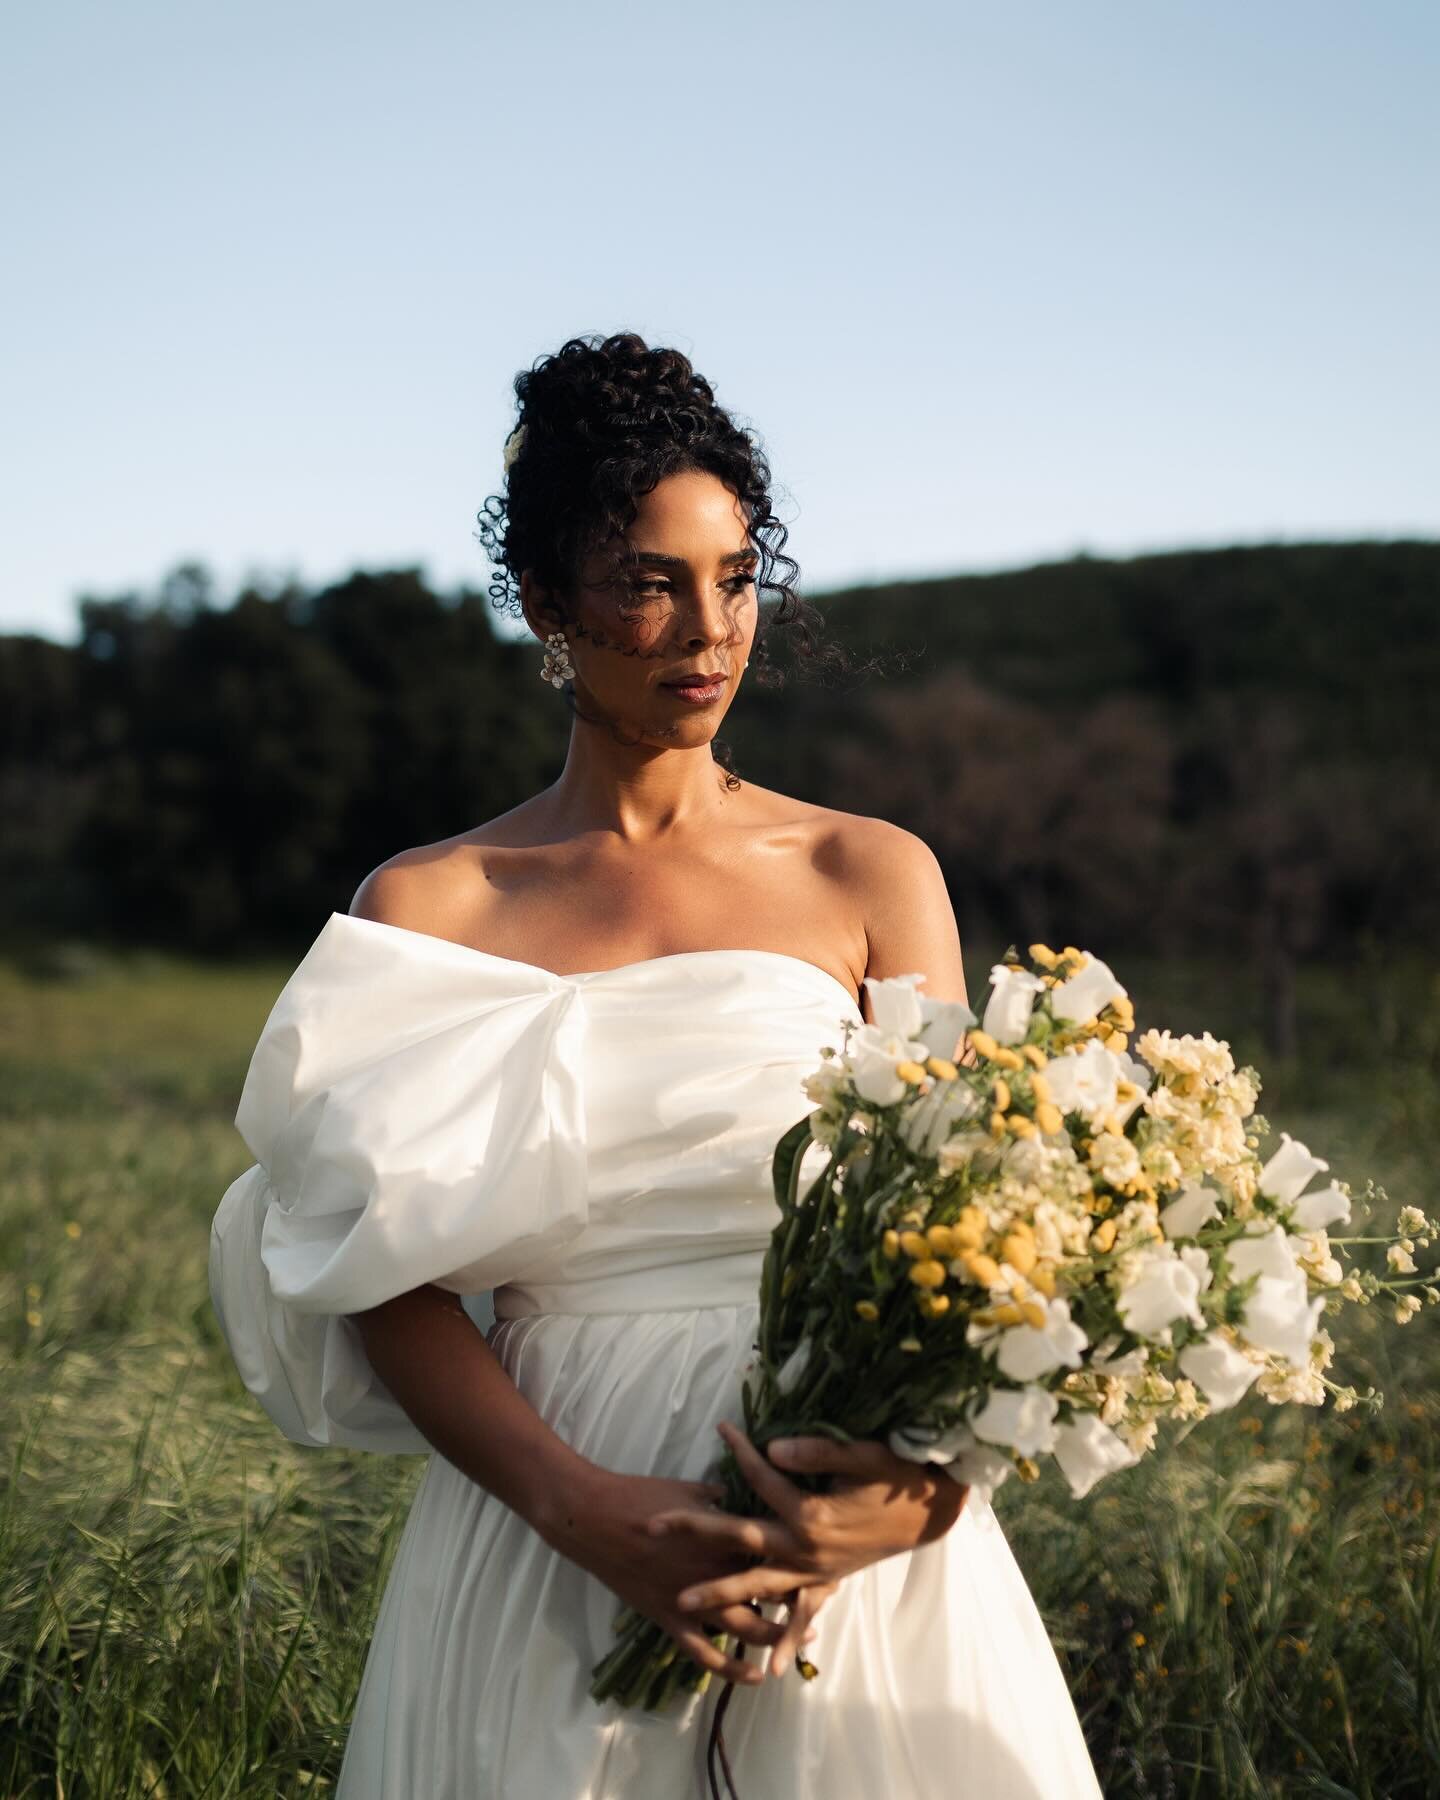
x=514, y=444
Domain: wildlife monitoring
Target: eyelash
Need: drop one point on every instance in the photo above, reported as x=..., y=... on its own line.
x=735, y=583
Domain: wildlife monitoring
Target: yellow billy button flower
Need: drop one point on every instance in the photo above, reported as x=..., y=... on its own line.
x=1034, y=1055
x=942, y=1067
x=913, y=1244
x=890, y=1244
x=1019, y=1125
x=1114, y=1124
x=985, y=1045
x=980, y=1267
x=867, y=1310
x=928, y=1274
x=1103, y=1236
x=1040, y=1088
x=1019, y=1251
x=997, y=1123
x=911, y=1345
x=1008, y=1058
x=910, y=1071
x=941, y=1240
x=1002, y=1094
x=934, y=1305
x=1071, y=954
x=969, y=1229
x=1027, y=1468
x=1042, y=1277
x=1034, y=1314
x=1049, y=1118
x=1008, y=1315
x=1044, y=955
x=1119, y=1043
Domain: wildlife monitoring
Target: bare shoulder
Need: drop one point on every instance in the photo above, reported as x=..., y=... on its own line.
x=431, y=887
x=904, y=902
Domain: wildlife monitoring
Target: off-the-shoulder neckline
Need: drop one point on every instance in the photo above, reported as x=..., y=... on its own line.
x=646, y=962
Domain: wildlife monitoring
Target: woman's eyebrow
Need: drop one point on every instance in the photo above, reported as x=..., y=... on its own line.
x=679, y=562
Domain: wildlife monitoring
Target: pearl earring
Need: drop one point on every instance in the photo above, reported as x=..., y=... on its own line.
x=557, y=667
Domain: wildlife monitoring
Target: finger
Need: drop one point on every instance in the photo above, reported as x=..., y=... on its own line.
x=780, y=1495
x=746, y=1537
x=710, y=1656
x=763, y=1583
x=864, y=1459
x=744, y=1623
x=799, y=1627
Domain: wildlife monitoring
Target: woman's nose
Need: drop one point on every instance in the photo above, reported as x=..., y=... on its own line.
x=709, y=621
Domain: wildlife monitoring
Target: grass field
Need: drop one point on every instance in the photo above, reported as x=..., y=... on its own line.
x=185, y=1598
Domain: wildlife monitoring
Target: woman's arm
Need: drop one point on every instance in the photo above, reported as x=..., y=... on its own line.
x=436, y=1363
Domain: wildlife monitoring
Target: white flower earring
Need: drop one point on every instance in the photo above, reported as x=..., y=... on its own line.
x=557, y=667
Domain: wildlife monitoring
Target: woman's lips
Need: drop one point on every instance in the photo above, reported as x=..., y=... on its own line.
x=694, y=692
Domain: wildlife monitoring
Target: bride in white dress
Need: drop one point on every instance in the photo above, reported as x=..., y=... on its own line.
x=548, y=1060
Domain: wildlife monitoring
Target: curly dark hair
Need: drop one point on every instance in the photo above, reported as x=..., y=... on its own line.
x=605, y=419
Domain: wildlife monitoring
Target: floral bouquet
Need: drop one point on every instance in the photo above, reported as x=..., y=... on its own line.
x=1043, y=1250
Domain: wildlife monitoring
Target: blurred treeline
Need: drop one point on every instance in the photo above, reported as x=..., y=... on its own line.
x=1211, y=751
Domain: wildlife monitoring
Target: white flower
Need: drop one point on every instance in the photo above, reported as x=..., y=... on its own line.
x=1085, y=1450
x=983, y=1468
x=1400, y=1259
x=1195, y=1205
x=1106, y=1363
x=1011, y=1002
x=1114, y=1159
x=1084, y=1081
x=895, y=1002
x=514, y=444
x=969, y=1461
x=1028, y=1351
x=787, y=1376
x=825, y=1083
x=1079, y=999
x=1271, y=1253
x=1289, y=1169
x=966, y=1147
x=1411, y=1221
x=1022, y=1419
x=1279, y=1319
x=901, y=1010
x=929, y=1122
x=1163, y=1289
x=1139, y=1078
x=871, y=1057
x=1218, y=1369
x=1197, y=1261
x=1321, y=1207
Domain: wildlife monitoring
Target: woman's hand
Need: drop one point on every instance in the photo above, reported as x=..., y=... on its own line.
x=604, y=1526
x=878, y=1504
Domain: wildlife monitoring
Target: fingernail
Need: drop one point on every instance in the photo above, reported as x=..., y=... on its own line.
x=657, y=1529
x=782, y=1450
x=688, y=1601
x=782, y=1663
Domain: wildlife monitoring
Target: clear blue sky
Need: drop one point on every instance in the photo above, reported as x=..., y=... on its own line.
x=993, y=282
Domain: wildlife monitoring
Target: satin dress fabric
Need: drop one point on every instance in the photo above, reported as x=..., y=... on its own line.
x=593, y=1150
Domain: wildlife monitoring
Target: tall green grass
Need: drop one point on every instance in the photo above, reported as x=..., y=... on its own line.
x=186, y=1599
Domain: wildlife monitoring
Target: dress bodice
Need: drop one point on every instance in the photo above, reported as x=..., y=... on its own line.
x=421, y=1111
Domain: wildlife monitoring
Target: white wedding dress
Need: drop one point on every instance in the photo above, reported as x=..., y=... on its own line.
x=594, y=1149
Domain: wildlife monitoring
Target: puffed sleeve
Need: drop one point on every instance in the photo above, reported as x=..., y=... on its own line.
x=416, y=1116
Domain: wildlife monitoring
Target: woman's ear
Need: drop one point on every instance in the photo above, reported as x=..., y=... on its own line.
x=542, y=613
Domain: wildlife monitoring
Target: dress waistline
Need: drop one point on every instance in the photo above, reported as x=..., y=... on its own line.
x=729, y=1280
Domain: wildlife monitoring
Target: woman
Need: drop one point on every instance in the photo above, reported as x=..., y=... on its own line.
x=549, y=1057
